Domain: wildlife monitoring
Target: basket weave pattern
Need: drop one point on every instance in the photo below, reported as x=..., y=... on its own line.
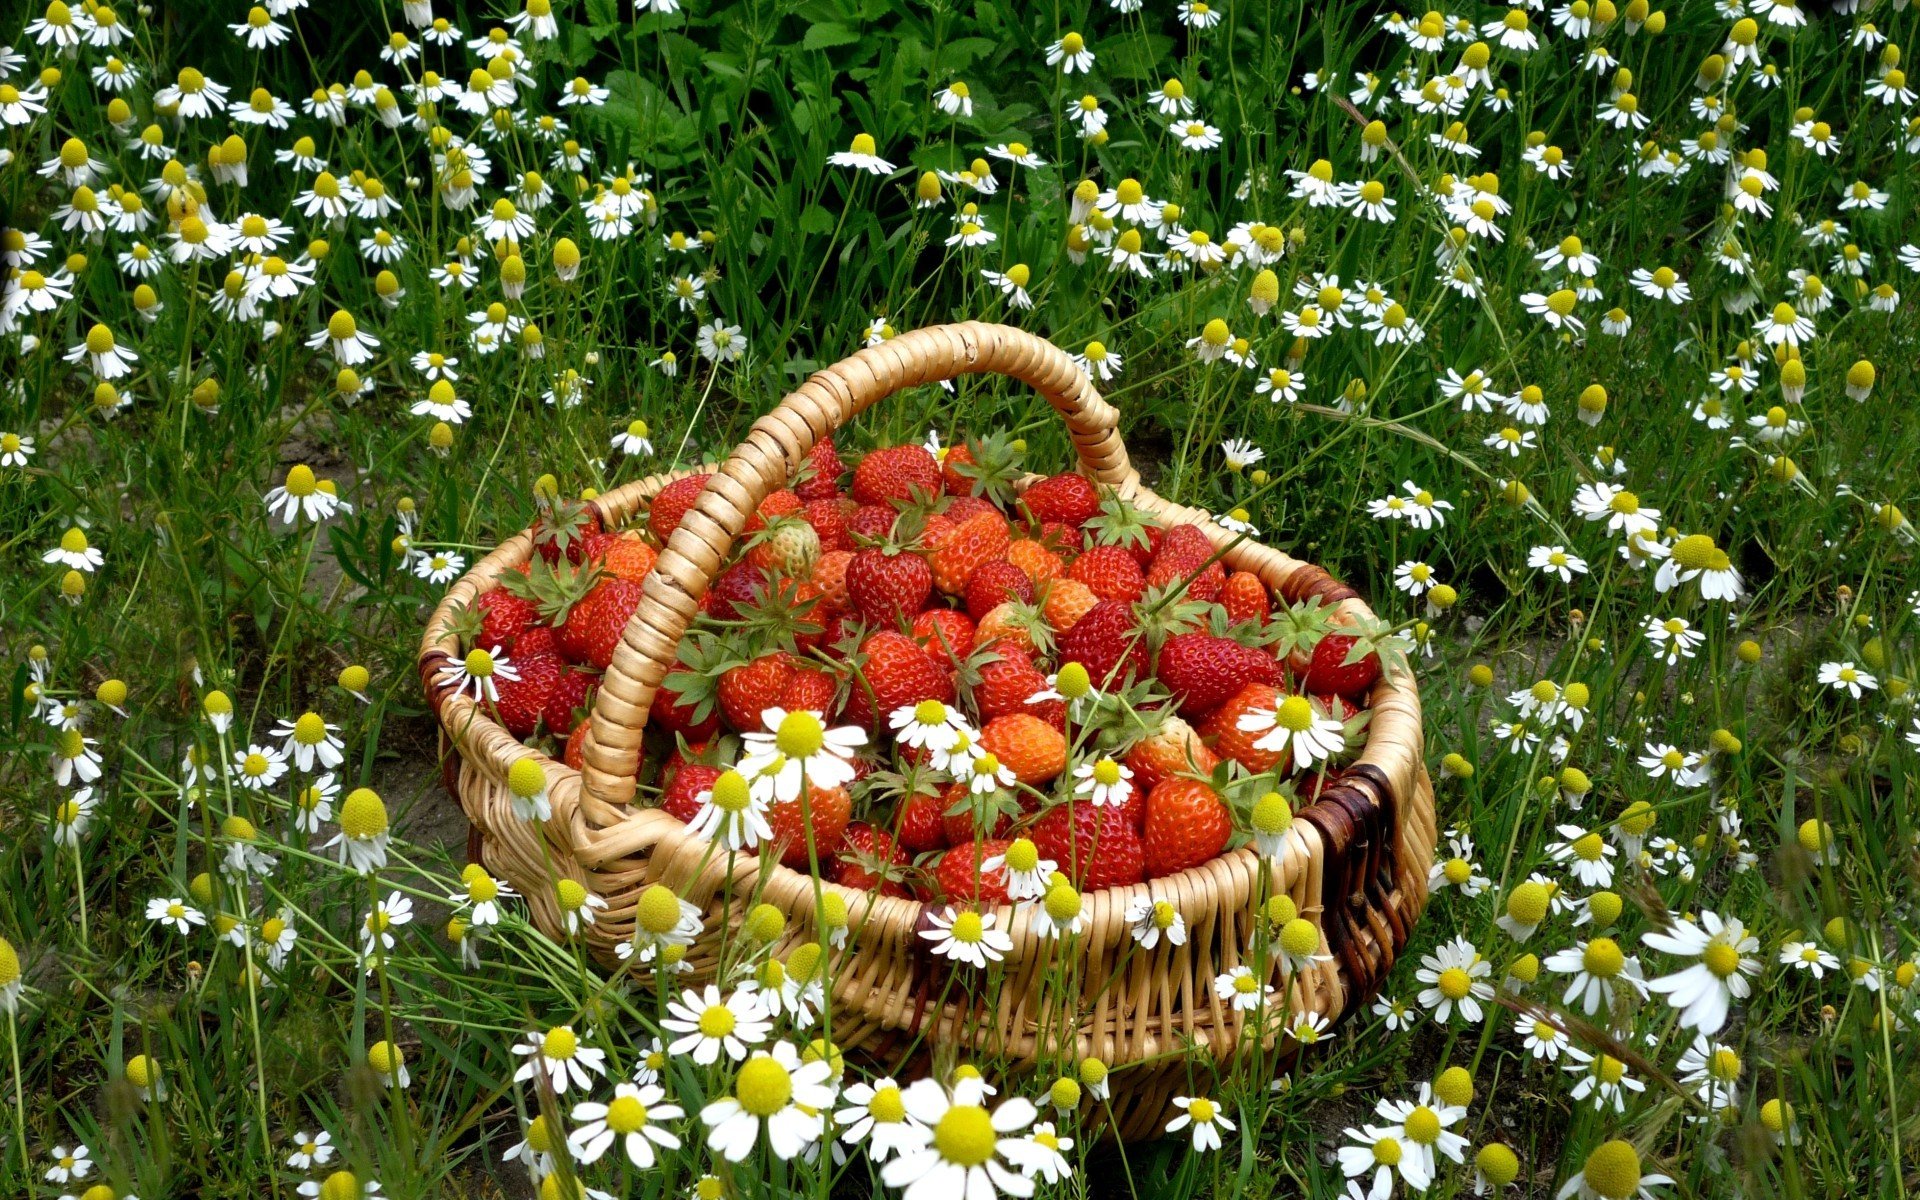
x=1354, y=861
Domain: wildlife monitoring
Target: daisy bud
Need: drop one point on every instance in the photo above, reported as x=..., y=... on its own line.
x=1455, y=1086
x=764, y=924
x=1497, y=1164
x=1480, y=675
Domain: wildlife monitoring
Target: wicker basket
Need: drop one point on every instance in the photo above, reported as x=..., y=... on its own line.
x=1355, y=860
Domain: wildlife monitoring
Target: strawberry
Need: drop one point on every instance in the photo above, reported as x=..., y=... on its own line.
x=574, y=692
x=564, y=530
x=1033, y=750
x=681, y=795
x=537, y=639
x=1067, y=600
x=1004, y=685
x=674, y=717
x=973, y=542
x=787, y=548
x=523, y=700
x=1326, y=669
x=1245, y=598
x=1222, y=728
x=1173, y=748
x=1203, y=671
x=1108, y=644
x=896, y=672
x=1110, y=573
x=953, y=477
x=870, y=522
x=830, y=576
x=947, y=634
x=995, y=583
x=1042, y=565
x=747, y=691
x=1097, y=847
x=1064, y=540
x=1183, y=554
x=870, y=861
x=1187, y=824
x=625, y=555
x=958, y=879
x=671, y=504
x=781, y=502
x=734, y=587
x=920, y=824
x=830, y=810
x=810, y=690
x=595, y=626
x=893, y=474
x=575, y=755
x=887, y=585
x=1069, y=499
x=983, y=470
x=961, y=509
x=829, y=520
x=962, y=827
x=823, y=477
x=1014, y=624
x=504, y=616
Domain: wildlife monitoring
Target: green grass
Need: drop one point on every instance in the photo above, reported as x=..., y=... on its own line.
x=732, y=112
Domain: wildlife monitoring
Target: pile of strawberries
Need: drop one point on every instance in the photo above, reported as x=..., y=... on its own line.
x=917, y=578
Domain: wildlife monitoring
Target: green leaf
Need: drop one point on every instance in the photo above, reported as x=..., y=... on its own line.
x=828, y=34
x=816, y=220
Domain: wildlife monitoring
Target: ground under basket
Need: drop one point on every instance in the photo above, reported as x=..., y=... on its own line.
x=1355, y=860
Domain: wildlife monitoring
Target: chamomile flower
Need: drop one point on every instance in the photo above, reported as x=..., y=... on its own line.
x=876, y=1115
x=1297, y=726
x=174, y=912
x=1071, y=54
x=1456, y=978
x=1104, y=782
x=559, y=1058
x=967, y=937
x=801, y=747
x=775, y=1092
x=633, y=1117
x=1705, y=991
x=1600, y=971
x=1151, y=920
x=1205, y=1117
x=1846, y=677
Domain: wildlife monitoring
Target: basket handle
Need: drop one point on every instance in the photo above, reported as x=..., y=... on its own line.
x=776, y=447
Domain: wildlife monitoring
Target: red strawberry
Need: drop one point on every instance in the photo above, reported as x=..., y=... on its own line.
x=888, y=585
x=1245, y=598
x=503, y=618
x=824, y=481
x=1187, y=824
x=829, y=520
x=920, y=824
x=1183, y=553
x=993, y=584
x=961, y=828
x=573, y=692
x=810, y=690
x=1203, y=671
x=564, y=529
x=870, y=861
x=1069, y=499
x=674, y=717
x=871, y=522
x=595, y=626
x=1326, y=669
x=965, y=508
x=892, y=474
x=1222, y=728
x=897, y=672
x=1110, y=572
x=537, y=639
x=671, y=504
x=1174, y=748
x=1107, y=643
x=956, y=481
x=1006, y=684
x=830, y=810
x=575, y=755
x=1062, y=539
x=957, y=877
x=748, y=690
x=681, y=795
x=522, y=701
x=734, y=587
x=947, y=634
x=1097, y=846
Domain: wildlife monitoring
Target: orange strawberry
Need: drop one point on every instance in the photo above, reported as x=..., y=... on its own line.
x=830, y=809
x=830, y=576
x=625, y=555
x=576, y=753
x=1187, y=824
x=1230, y=741
x=962, y=550
x=1042, y=565
x=1172, y=749
x=1033, y=750
x=1008, y=625
x=1245, y=598
x=956, y=481
x=1067, y=600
